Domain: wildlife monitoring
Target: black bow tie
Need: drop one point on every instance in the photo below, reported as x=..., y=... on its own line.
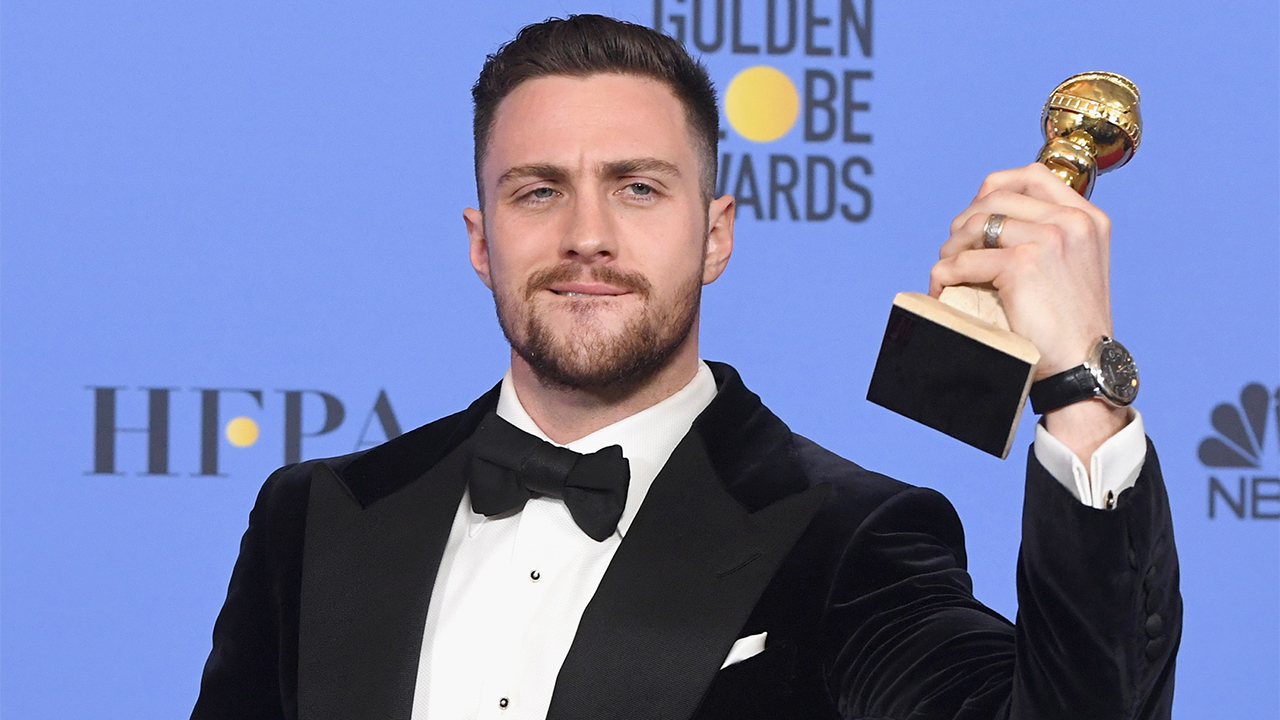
x=509, y=466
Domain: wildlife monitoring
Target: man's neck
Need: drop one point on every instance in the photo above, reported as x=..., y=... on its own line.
x=566, y=415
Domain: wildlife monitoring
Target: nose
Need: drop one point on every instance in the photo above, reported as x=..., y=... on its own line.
x=591, y=233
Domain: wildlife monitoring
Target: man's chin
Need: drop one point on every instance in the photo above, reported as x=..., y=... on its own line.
x=610, y=365
x=565, y=315
x=606, y=345
x=615, y=380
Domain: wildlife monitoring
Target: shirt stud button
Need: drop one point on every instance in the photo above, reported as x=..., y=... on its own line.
x=534, y=576
x=503, y=703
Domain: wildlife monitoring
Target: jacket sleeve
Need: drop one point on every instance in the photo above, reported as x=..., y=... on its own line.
x=1098, y=622
x=1099, y=611
x=252, y=669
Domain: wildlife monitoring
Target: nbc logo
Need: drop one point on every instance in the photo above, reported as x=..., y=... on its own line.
x=1241, y=444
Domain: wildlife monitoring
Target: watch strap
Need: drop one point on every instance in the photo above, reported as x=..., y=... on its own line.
x=1065, y=388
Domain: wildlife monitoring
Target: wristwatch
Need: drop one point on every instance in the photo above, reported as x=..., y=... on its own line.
x=1109, y=374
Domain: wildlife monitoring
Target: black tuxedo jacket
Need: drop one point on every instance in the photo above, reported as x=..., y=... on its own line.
x=859, y=581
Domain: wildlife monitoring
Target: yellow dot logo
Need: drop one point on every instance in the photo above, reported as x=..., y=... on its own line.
x=761, y=103
x=242, y=432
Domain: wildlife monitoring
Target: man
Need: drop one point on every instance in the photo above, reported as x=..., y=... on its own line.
x=471, y=568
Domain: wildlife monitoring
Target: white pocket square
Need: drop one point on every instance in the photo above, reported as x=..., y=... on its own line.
x=744, y=648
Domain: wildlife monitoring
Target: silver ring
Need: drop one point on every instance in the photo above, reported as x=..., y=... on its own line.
x=991, y=231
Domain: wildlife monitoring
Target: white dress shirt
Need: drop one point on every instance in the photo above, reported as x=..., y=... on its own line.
x=512, y=588
x=1113, y=468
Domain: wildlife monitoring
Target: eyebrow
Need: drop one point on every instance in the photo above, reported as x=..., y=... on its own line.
x=619, y=168
x=543, y=171
x=614, y=168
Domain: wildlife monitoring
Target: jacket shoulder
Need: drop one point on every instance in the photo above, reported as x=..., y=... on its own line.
x=867, y=503
x=820, y=465
x=851, y=484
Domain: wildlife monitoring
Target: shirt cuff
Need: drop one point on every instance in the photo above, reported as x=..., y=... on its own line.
x=1113, y=468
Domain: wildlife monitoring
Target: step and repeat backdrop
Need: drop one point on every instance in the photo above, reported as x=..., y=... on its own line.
x=232, y=238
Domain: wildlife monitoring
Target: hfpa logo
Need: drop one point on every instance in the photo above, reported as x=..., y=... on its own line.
x=1241, y=439
x=239, y=431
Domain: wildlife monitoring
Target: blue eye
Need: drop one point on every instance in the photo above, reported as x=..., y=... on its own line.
x=543, y=193
x=640, y=188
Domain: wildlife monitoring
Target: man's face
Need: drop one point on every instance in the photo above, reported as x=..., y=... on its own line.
x=594, y=237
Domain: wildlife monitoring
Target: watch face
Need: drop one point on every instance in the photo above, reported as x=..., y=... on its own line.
x=1116, y=372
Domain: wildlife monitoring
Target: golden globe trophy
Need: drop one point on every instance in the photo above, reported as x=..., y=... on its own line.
x=952, y=363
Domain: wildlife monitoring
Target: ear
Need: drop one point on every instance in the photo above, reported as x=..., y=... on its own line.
x=719, y=237
x=479, y=247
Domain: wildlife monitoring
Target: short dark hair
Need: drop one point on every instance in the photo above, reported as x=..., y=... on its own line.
x=582, y=45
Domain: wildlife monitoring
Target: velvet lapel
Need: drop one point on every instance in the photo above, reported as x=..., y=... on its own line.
x=691, y=568
x=376, y=530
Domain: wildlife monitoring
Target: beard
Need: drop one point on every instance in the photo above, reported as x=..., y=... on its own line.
x=589, y=356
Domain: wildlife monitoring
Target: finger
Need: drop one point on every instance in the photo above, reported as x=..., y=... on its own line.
x=972, y=235
x=1038, y=182
x=1069, y=231
x=1013, y=202
x=1034, y=180
x=969, y=267
x=1006, y=202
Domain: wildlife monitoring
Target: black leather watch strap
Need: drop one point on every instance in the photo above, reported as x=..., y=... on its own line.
x=1065, y=388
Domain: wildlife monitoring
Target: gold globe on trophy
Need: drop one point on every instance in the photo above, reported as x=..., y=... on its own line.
x=1091, y=126
x=952, y=363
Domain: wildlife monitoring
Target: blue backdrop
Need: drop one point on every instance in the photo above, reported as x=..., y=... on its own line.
x=214, y=211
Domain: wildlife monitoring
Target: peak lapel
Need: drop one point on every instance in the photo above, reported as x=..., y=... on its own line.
x=680, y=588
x=367, y=576
x=373, y=544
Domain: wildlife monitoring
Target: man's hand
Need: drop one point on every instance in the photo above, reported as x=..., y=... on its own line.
x=1051, y=272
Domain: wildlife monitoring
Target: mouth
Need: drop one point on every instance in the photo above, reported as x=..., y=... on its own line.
x=587, y=287
x=587, y=290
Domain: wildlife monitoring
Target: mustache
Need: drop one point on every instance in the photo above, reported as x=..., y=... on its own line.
x=630, y=281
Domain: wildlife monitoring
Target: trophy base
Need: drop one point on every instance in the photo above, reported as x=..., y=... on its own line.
x=953, y=372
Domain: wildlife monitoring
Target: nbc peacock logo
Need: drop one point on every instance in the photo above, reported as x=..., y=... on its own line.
x=1241, y=445
x=1242, y=430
